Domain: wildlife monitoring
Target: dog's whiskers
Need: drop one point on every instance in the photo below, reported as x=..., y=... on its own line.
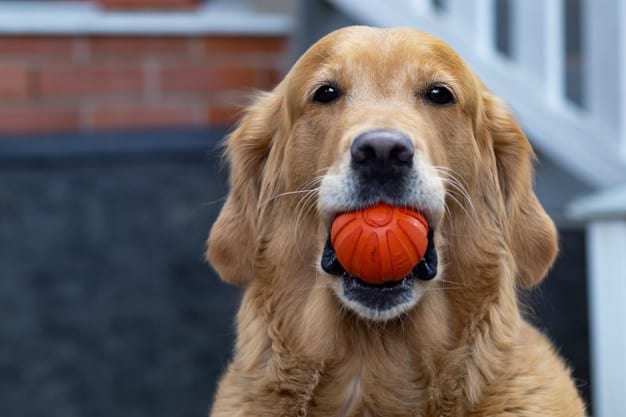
x=458, y=193
x=305, y=204
x=284, y=194
x=213, y=202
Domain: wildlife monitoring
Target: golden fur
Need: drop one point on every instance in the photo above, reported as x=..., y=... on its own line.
x=463, y=349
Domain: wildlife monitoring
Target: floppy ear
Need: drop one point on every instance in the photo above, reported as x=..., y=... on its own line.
x=532, y=235
x=232, y=241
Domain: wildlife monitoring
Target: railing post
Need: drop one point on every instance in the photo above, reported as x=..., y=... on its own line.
x=463, y=12
x=554, y=23
x=601, y=26
x=528, y=36
x=622, y=71
x=485, y=27
x=607, y=289
x=424, y=8
x=538, y=44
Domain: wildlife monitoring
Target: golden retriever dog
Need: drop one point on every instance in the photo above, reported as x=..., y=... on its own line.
x=394, y=116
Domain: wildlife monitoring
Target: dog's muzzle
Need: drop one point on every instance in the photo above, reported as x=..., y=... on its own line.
x=386, y=296
x=382, y=170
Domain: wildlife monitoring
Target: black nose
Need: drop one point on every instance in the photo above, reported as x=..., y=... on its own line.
x=382, y=148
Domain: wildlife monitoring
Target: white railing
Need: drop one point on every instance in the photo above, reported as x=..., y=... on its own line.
x=589, y=139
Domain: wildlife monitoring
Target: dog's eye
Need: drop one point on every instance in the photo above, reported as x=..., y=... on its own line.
x=439, y=95
x=326, y=94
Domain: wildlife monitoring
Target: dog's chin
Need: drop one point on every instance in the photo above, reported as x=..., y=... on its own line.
x=380, y=302
x=377, y=302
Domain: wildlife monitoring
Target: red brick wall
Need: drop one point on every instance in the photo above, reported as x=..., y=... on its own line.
x=91, y=83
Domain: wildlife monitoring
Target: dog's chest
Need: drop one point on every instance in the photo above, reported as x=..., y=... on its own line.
x=359, y=393
x=353, y=398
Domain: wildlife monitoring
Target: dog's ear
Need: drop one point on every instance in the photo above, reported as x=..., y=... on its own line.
x=531, y=233
x=231, y=245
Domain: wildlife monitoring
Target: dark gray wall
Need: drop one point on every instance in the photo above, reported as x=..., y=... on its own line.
x=107, y=306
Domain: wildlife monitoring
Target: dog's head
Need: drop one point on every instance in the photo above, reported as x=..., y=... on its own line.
x=380, y=115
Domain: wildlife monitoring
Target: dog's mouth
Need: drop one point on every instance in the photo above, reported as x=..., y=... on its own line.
x=385, y=300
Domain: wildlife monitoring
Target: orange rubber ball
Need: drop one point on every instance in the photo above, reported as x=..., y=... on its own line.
x=381, y=243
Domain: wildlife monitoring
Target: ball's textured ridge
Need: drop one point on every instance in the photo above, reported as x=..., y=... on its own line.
x=380, y=243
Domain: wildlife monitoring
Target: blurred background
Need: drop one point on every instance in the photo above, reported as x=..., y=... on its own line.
x=110, y=116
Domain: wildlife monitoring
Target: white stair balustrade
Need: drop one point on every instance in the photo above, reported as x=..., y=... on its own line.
x=600, y=51
x=622, y=72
